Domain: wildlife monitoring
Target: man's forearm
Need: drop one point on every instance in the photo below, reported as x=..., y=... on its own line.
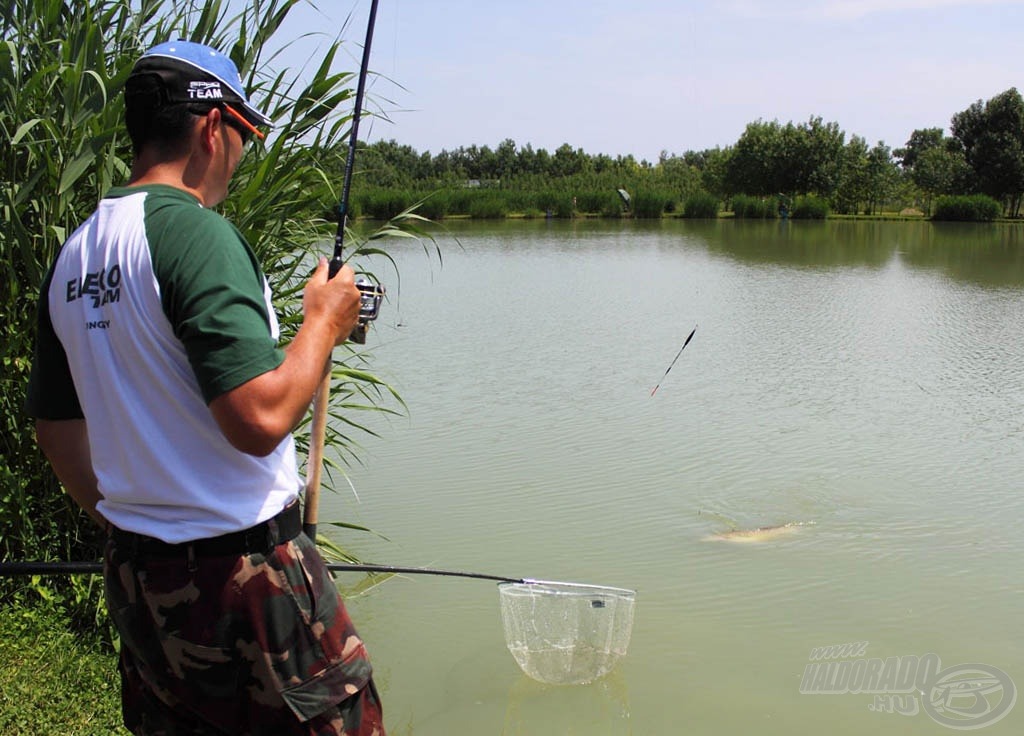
x=66, y=445
x=257, y=415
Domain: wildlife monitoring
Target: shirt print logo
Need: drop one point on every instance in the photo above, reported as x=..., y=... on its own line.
x=103, y=287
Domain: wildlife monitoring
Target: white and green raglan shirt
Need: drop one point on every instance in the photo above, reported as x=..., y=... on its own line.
x=153, y=308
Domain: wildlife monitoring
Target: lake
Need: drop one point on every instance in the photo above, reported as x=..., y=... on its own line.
x=861, y=381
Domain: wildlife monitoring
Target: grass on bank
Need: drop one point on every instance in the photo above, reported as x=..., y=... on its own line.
x=53, y=680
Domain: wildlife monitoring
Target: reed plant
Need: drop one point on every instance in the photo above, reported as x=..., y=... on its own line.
x=384, y=203
x=810, y=208
x=604, y=202
x=433, y=206
x=701, y=205
x=487, y=205
x=756, y=208
x=517, y=201
x=588, y=192
x=967, y=208
x=459, y=199
x=652, y=203
x=63, y=65
x=554, y=202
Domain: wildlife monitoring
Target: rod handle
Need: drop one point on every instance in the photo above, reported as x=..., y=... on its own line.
x=358, y=335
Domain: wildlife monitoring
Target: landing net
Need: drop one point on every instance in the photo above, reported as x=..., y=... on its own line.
x=566, y=633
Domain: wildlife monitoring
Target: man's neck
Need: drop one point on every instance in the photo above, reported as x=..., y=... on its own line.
x=169, y=173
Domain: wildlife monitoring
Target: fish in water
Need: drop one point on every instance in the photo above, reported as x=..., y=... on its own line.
x=760, y=534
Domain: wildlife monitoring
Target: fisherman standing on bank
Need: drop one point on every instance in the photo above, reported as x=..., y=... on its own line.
x=166, y=407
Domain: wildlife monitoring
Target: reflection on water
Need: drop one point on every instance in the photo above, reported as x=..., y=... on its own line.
x=806, y=245
x=596, y=710
x=861, y=379
x=986, y=255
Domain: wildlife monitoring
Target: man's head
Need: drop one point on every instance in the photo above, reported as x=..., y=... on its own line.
x=174, y=82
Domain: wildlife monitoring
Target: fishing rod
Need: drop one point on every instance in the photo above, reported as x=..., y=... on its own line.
x=339, y=239
x=14, y=569
x=370, y=295
x=655, y=389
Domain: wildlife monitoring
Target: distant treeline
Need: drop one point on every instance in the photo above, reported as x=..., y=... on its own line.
x=808, y=169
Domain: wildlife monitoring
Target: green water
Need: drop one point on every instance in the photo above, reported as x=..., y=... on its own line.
x=864, y=380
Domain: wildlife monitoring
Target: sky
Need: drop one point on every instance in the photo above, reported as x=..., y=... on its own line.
x=650, y=76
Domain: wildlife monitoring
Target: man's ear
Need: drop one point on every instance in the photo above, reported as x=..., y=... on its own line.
x=209, y=129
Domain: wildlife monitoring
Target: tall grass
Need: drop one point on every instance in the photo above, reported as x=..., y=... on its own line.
x=489, y=206
x=758, y=208
x=652, y=203
x=604, y=202
x=554, y=202
x=63, y=65
x=810, y=208
x=701, y=205
x=967, y=208
x=556, y=199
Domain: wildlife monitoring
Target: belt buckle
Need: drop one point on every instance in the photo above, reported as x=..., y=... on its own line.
x=260, y=538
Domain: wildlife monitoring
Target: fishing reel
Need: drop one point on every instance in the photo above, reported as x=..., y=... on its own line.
x=370, y=296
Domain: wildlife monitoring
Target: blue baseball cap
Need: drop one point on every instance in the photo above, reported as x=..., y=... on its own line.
x=194, y=72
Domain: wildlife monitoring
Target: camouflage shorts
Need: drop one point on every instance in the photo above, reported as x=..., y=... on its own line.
x=251, y=644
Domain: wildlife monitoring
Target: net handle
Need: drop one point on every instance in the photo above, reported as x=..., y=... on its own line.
x=94, y=568
x=9, y=569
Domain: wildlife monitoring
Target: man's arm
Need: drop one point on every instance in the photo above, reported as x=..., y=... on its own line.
x=257, y=415
x=65, y=443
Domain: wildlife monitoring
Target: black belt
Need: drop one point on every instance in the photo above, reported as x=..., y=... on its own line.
x=260, y=538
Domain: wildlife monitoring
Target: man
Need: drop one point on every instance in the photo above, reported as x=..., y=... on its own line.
x=166, y=408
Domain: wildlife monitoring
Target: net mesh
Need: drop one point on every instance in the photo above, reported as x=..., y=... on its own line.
x=566, y=633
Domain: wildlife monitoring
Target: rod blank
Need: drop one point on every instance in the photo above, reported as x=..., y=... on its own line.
x=13, y=569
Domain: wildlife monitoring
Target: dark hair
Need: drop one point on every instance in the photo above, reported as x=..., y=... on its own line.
x=151, y=120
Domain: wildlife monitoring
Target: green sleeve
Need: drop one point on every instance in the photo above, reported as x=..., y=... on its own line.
x=212, y=291
x=51, y=390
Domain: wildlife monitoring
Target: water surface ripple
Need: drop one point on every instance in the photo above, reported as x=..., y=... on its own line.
x=861, y=380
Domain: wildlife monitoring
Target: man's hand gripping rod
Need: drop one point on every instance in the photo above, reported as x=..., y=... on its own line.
x=369, y=304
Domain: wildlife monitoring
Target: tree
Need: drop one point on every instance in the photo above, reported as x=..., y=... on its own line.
x=882, y=176
x=712, y=176
x=506, y=161
x=602, y=162
x=771, y=159
x=937, y=171
x=920, y=141
x=992, y=136
x=751, y=167
x=935, y=164
x=854, y=187
x=568, y=161
x=389, y=163
x=821, y=157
